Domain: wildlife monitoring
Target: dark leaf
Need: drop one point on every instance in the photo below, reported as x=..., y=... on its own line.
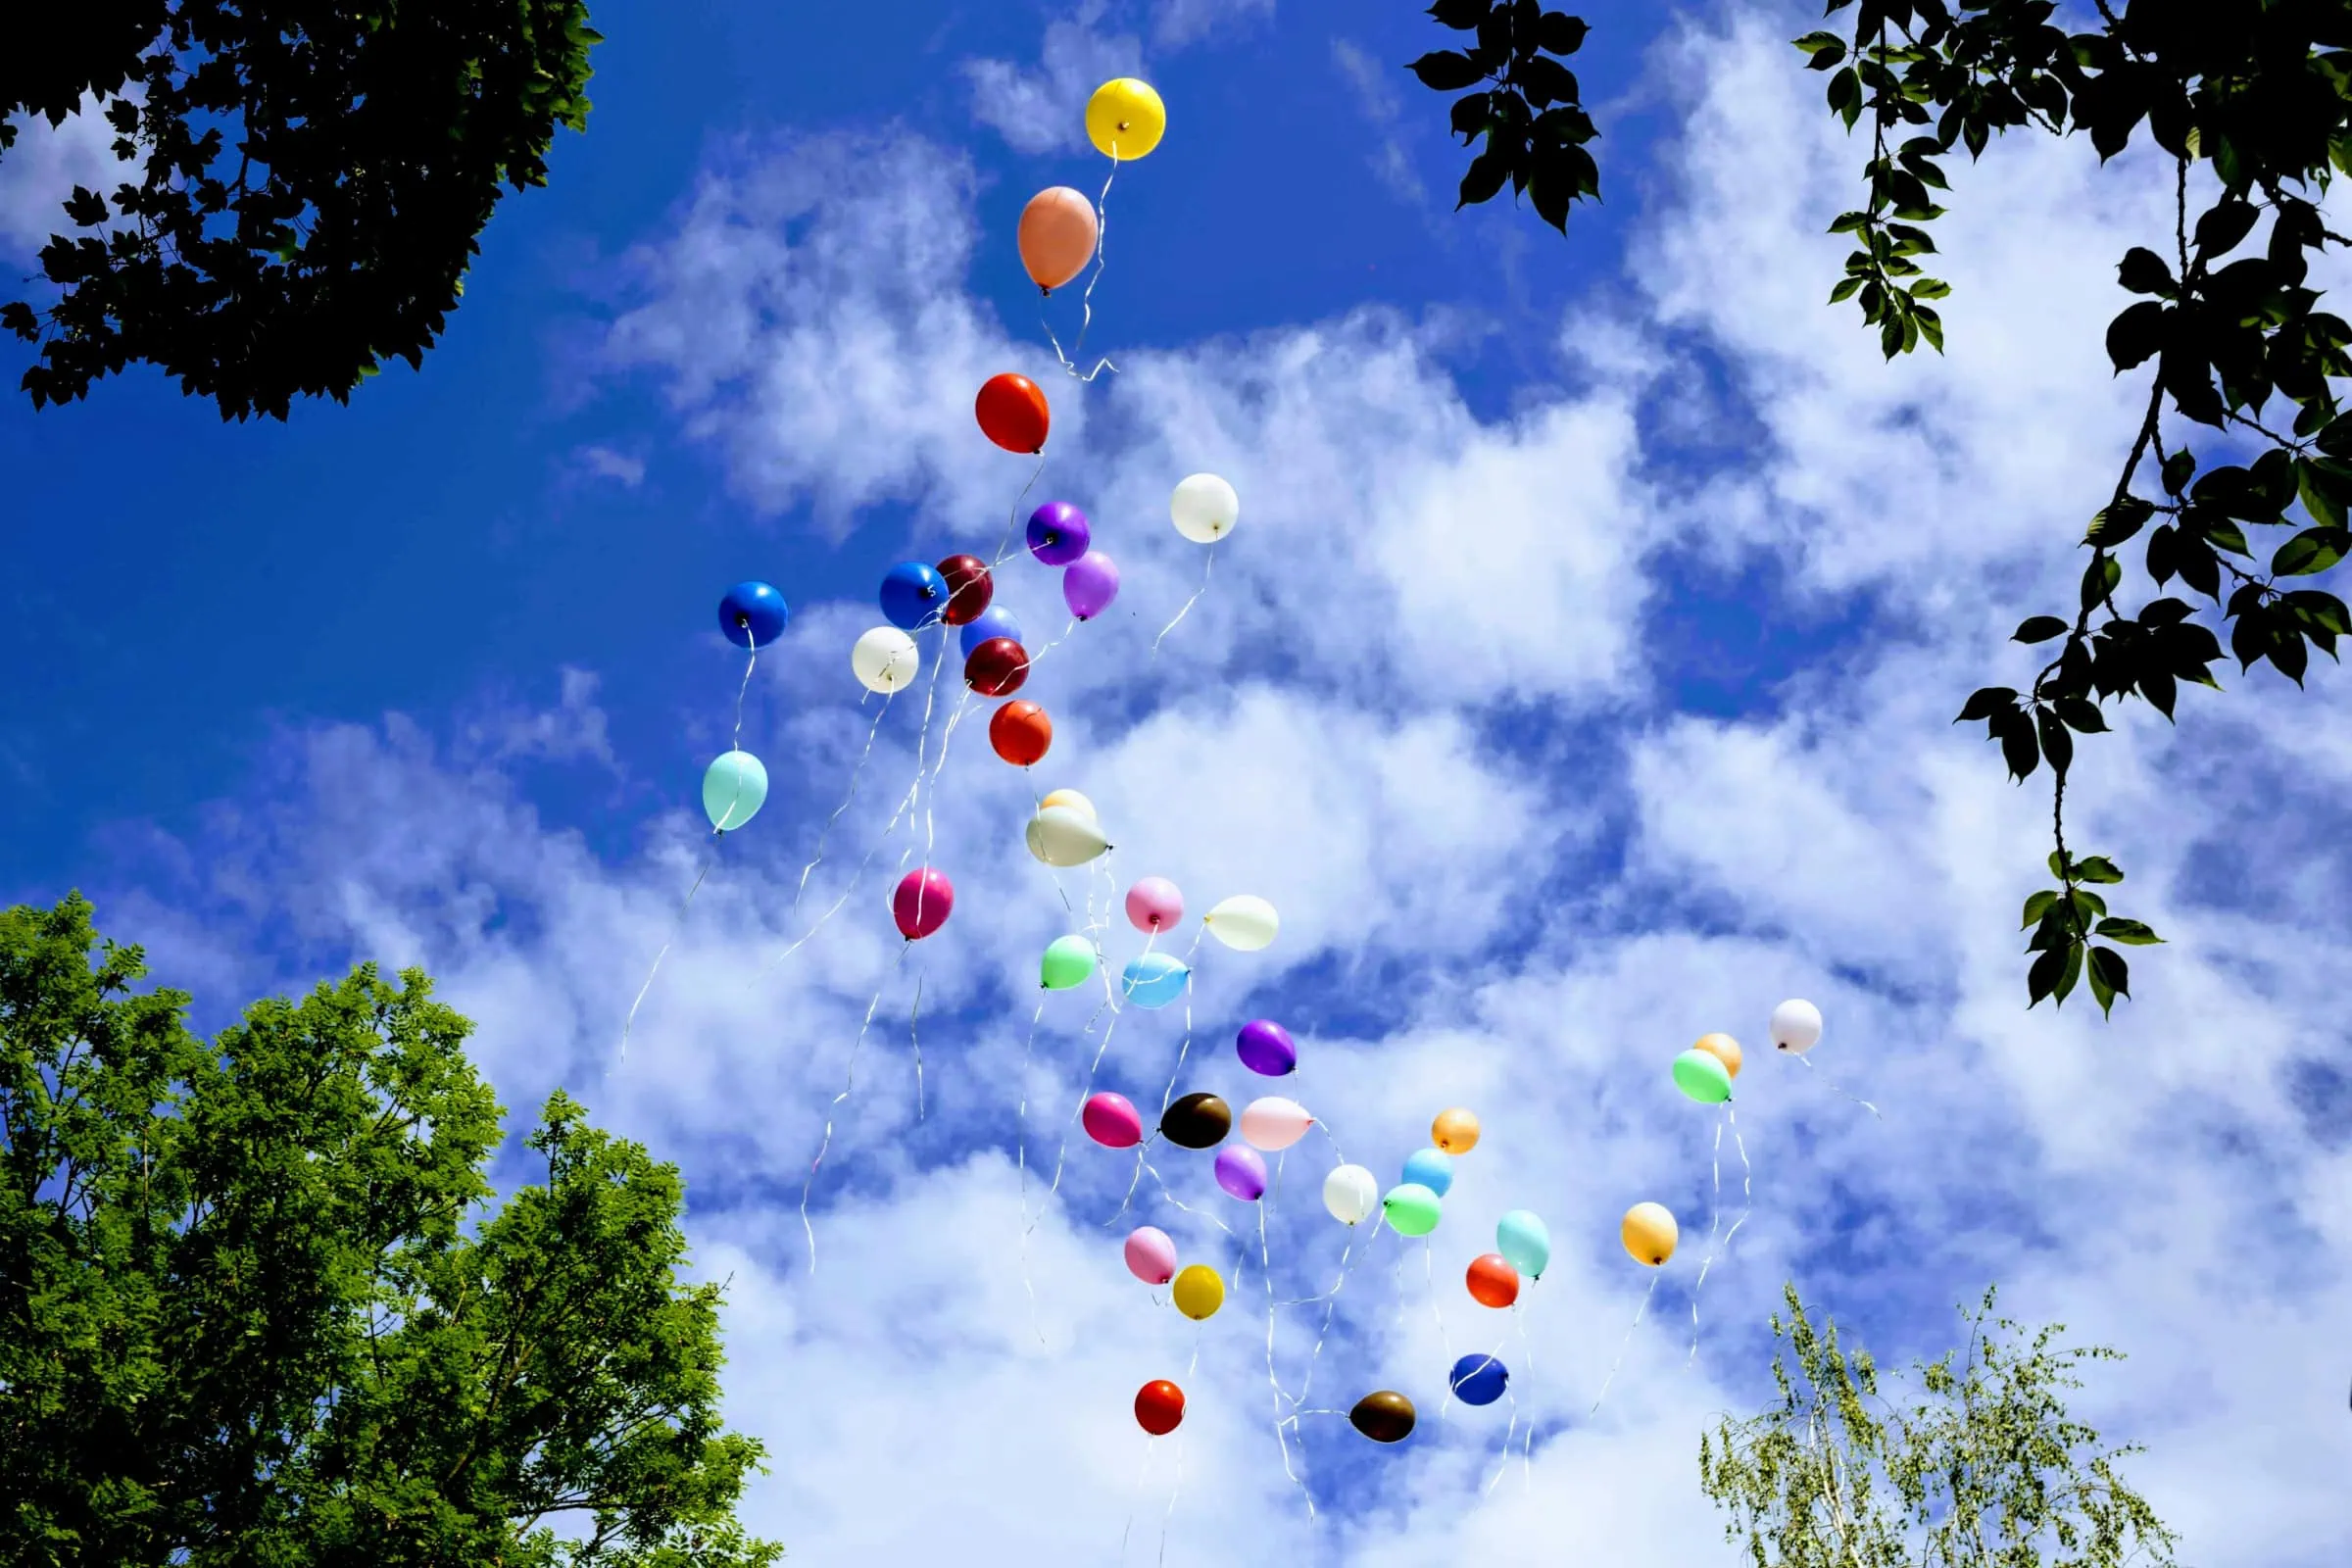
x=2311, y=551
x=2143, y=272
x=1986, y=702
x=2019, y=749
x=2119, y=522
x=2110, y=977
x=2179, y=470
x=2223, y=225
x=2043, y=974
x=2097, y=868
x=1447, y=71
x=2035, y=629
x=2118, y=929
x=2056, y=743
x=2134, y=336
x=1559, y=33
x=2037, y=905
x=1462, y=14
x=1487, y=173
x=2081, y=713
x=1544, y=81
x=1846, y=97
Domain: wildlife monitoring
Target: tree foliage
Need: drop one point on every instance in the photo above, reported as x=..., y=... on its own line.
x=255, y=1308
x=2250, y=101
x=305, y=188
x=1982, y=1468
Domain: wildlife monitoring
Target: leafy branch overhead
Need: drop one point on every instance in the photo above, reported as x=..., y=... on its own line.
x=1525, y=106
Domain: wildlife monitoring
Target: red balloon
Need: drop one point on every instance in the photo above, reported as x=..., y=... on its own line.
x=1021, y=733
x=922, y=903
x=969, y=588
x=1492, y=1281
x=1012, y=412
x=996, y=667
x=1159, y=1408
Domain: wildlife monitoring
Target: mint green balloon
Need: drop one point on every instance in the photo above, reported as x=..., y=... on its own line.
x=1702, y=1076
x=1411, y=1209
x=1524, y=1243
x=734, y=788
x=1068, y=961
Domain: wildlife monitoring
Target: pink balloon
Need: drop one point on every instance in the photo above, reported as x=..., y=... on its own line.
x=1274, y=1123
x=1111, y=1121
x=1154, y=905
x=922, y=903
x=1152, y=1255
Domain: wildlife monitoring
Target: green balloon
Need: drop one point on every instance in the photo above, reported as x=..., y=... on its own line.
x=1068, y=961
x=1412, y=1209
x=1702, y=1076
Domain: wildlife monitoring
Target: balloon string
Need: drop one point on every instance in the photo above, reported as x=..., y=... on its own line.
x=1012, y=522
x=1627, y=1341
x=914, y=1038
x=1021, y=1163
x=801, y=889
x=1141, y=1480
x=1168, y=1196
x=1169, y=1519
x=1282, y=1439
x=1835, y=1089
x=1437, y=1311
x=1519, y=1325
x=1061, y=1155
x=1207, y=566
x=1714, y=1225
x=847, y=1084
x=1102, y=256
x=1058, y=638
x=1746, y=1203
x=678, y=923
x=742, y=691
x=1527, y=1369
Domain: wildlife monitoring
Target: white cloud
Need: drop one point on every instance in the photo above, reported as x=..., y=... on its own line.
x=42, y=168
x=602, y=463
x=1377, y=99
x=1043, y=109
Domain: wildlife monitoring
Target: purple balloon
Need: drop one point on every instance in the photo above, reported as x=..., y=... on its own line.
x=1267, y=1048
x=1241, y=1171
x=1059, y=534
x=1090, y=584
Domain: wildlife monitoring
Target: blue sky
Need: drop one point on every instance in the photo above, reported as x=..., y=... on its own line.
x=1576, y=681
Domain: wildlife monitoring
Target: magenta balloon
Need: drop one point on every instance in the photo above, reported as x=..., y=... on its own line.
x=1152, y=1255
x=1242, y=1172
x=1266, y=1049
x=1089, y=584
x=1154, y=905
x=922, y=903
x=1111, y=1121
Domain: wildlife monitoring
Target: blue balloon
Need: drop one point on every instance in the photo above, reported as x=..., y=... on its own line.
x=753, y=614
x=1431, y=1168
x=1156, y=979
x=913, y=594
x=993, y=621
x=1479, y=1379
x=1524, y=1243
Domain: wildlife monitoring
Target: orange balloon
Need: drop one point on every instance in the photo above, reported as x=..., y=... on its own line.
x=1724, y=1048
x=1455, y=1131
x=1492, y=1281
x=1057, y=236
x=1012, y=412
x=1021, y=733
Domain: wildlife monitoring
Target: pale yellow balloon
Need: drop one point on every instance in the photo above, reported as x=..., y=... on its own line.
x=1060, y=836
x=1244, y=922
x=1455, y=1131
x=1724, y=1048
x=1199, y=1292
x=1125, y=119
x=1070, y=800
x=1649, y=1233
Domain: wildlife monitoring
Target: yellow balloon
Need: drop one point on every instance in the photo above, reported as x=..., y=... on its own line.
x=1724, y=1048
x=1125, y=119
x=1200, y=1292
x=1455, y=1131
x=1073, y=801
x=1649, y=1233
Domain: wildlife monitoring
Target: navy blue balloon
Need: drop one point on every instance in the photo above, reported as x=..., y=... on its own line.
x=913, y=596
x=1477, y=1379
x=753, y=614
x=993, y=621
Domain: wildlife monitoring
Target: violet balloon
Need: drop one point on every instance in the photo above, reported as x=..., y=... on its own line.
x=1266, y=1049
x=1058, y=533
x=1089, y=584
x=1152, y=1255
x=1241, y=1171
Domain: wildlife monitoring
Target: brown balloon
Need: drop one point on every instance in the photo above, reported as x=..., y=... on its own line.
x=1196, y=1121
x=969, y=588
x=996, y=667
x=1383, y=1417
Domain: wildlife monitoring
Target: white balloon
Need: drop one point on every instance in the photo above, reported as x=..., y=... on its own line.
x=1351, y=1193
x=1060, y=836
x=1204, y=508
x=1795, y=1027
x=1071, y=800
x=1244, y=922
x=1274, y=1123
x=885, y=659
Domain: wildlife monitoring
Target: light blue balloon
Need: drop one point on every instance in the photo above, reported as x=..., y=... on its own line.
x=1156, y=979
x=734, y=788
x=1523, y=1241
x=993, y=621
x=1431, y=1168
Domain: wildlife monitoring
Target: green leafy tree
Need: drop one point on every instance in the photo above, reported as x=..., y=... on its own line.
x=1983, y=1469
x=2251, y=103
x=305, y=188
x=255, y=1308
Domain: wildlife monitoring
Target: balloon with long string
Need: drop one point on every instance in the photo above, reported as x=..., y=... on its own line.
x=1204, y=508
x=1125, y=120
x=1649, y=1234
x=1795, y=1029
x=1705, y=1073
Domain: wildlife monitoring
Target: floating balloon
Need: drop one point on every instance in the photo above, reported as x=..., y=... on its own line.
x=1477, y=1379
x=913, y=596
x=1242, y=1172
x=734, y=788
x=1266, y=1049
x=1274, y=1124
x=1069, y=800
x=1199, y=1292
x=885, y=660
x=970, y=587
x=1244, y=922
x=1089, y=584
x=1152, y=1255
x=753, y=614
x=1060, y=836
x=1492, y=1281
x=1411, y=1209
x=1159, y=1408
x=1111, y=1121
x=1058, y=533
x=992, y=622
x=1723, y=1047
x=1154, y=905
x=1351, y=1193
x=1196, y=1121
x=1154, y=979
x=1012, y=412
x=1068, y=961
x=1056, y=236
x=1204, y=508
x=1125, y=119
x=922, y=903
x=1021, y=733
x=1431, y=1168
x=1524, y=1243
x=1700, y=1074
x=1795, y=1027
x=1455, y=1131
x=1649, y=1233
x=996, y=667
x=1383, y=1417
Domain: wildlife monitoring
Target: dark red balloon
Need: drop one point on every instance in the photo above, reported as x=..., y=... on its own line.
x=1012, y=412
x=1021, y=733
x=969, y=588
x=1159, y=1408
x=996, y=667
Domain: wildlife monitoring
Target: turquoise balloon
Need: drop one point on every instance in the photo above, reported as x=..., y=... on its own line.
x=1702, y=1076
x=1431, y=1168
x=1154, y=979
x=1412, y=1209
x=1523, y=1241
x=734, y=788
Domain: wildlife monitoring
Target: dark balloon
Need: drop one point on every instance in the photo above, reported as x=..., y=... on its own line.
x=969, y=588
x=753, y=614
x=1196, y=1121
x=1479, y=1379
x=1266, y=1049
x=1058, y=533
x=1159, y=1408
x=996, y=667
x=1383, y=1417
x=913, y=596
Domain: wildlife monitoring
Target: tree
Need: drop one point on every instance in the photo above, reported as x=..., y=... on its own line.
x=1985, y=1470
x=2251, y=102
x=255, y=1308
x=307, y=187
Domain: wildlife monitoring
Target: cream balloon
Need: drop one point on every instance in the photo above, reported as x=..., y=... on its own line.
x=885, y=659
x=1352, y=1194
x=1795, y=1027
x=1244, y=922
x=1274, y=1123
x=1070, y=800
x=1204, y=508
x=1060, y=836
